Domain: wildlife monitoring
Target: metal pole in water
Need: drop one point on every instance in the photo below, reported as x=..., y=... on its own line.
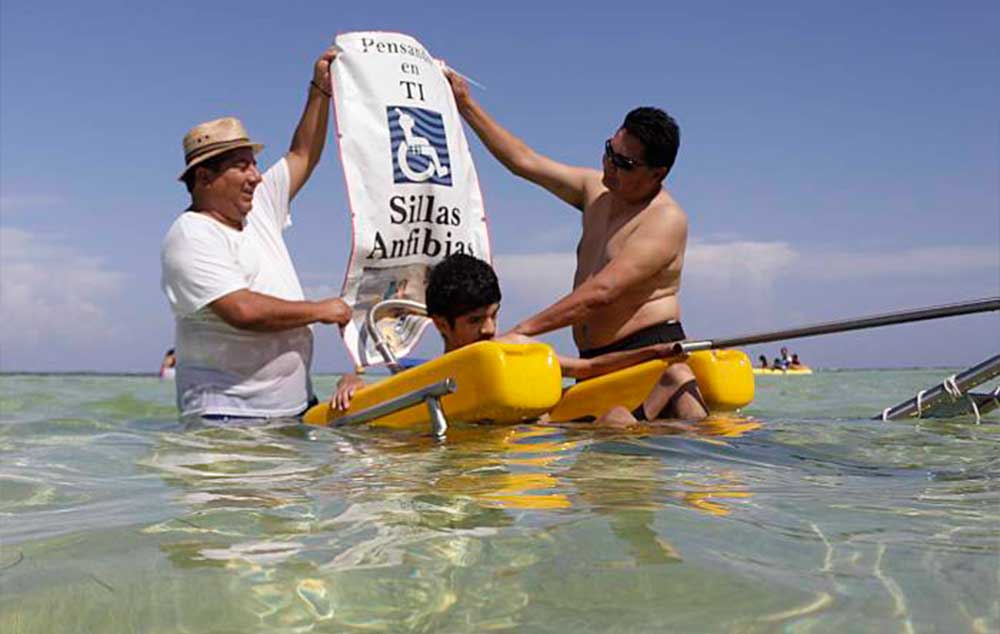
x=964, y=381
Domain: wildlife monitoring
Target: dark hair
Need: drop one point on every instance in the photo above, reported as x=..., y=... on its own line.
x=659, y=134
x=213, y=164
x=459, y=284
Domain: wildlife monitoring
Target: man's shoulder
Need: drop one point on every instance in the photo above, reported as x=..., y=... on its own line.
x=188, y=222
x=594, y=189
x=665, y=209
x=191, y=227
x=278, y=170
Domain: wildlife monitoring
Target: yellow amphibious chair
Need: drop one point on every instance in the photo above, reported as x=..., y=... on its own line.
x=509, y=383
x=493, y=382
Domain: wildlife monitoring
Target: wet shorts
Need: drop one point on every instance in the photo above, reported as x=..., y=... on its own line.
x=666, y=332
x=227, y=417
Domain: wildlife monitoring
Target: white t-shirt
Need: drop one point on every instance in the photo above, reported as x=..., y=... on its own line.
x=222, y=370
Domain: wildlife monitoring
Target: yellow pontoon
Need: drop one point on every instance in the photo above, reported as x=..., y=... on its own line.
x=802, y=369
x=510, y=383
x=495, y=382
x=724, y=379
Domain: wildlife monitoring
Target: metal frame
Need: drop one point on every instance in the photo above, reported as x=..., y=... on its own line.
x=371, y=319
x=431, y=395
x=964, y=381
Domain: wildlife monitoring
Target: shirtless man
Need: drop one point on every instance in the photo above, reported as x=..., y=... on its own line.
x=631, y=252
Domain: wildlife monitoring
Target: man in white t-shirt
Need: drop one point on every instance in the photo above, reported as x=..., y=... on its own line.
x=244, y=343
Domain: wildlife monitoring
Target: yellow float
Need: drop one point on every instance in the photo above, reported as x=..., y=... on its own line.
x=779, y=372
x=724, y=378
x=511, y=383
x=494, y=382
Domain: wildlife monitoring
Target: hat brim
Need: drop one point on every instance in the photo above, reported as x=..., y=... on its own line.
x=201, y=158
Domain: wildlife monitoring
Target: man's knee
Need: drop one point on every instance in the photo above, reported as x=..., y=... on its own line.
x=676, y=374
x=685, y=401
x=616, y=417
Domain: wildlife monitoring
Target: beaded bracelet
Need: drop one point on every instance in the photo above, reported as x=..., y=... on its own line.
x=321, y=89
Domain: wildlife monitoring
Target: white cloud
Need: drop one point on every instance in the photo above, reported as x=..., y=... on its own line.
x=52, y=294
x=749, y=269
x=928, y=262
x=11, y=203
x=731, y=287
x=536, y=279
x=541, y=278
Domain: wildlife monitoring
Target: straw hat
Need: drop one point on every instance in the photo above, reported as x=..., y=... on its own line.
x=212, y=138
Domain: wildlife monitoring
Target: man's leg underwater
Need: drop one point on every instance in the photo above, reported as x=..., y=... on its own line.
x=675, y=395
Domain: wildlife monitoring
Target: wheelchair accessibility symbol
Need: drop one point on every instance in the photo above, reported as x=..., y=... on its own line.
x=419, y=146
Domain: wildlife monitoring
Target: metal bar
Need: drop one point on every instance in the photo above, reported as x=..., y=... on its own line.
x=372, y=318
x=432, y=391
x=439, y=423
x=964, y=381
x=846, y=325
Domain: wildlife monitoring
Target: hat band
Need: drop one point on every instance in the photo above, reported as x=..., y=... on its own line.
x=214, y=146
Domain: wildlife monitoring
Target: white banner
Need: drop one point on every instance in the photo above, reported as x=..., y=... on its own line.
x=413, y=189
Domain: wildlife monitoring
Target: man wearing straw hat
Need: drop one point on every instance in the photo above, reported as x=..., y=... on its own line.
x=244, y=343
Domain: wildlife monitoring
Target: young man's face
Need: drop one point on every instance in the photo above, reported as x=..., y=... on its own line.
x=476, y=325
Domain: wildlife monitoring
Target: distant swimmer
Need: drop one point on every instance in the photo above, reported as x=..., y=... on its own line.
x=244, y=345
x=785, y=361
x=168, y=367
x=631, y=251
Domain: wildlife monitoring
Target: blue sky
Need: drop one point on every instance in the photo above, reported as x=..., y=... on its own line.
x=836, y=160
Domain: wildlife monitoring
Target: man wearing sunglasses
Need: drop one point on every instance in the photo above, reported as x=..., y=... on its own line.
x=631, y=252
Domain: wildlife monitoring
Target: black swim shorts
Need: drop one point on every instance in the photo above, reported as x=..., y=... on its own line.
x=666, y=332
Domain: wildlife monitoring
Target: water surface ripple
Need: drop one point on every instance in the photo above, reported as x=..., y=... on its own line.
x=799, y=515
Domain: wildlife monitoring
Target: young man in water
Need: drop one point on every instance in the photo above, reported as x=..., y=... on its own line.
x=463, y=301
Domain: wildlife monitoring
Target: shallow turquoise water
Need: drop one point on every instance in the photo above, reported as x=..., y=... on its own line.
x=800, y=516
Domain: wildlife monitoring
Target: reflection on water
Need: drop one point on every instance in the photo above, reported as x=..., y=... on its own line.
x=404, y=516
x=111, y=521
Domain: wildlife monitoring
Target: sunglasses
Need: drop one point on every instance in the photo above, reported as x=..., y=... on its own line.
x=620, y=161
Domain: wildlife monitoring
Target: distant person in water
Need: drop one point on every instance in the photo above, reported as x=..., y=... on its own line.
x=463, y=301
x=786, y=359
x=795, y=361
x=167, y=368
x=763, y=361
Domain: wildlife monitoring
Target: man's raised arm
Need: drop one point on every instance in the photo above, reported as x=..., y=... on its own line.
x=651, y=247
x=310, y=134
x=567, y=182
x=577, y=368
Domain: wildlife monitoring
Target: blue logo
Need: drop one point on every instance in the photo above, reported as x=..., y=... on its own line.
x=419, y=146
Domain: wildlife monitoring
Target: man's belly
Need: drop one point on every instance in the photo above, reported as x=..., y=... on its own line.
x=609, y=325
